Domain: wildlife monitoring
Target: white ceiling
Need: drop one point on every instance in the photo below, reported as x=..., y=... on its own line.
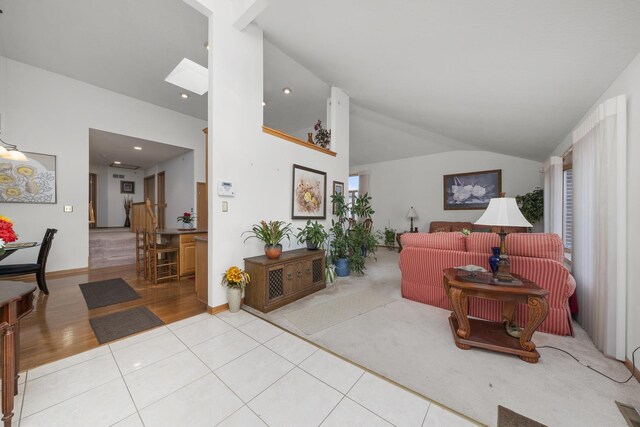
x=106, y=148
x=125, y=46
x=497, y=75
x=501, y=75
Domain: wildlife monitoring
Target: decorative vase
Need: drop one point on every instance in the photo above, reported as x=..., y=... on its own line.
x=342, y=267
x=234, y=296
x=312, y=246
x=273, y=251
x=310, y=137
x=127, y=221
x=494, y=259
x=188, y=225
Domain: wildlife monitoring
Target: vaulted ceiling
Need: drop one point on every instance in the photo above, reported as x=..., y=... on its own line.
x=424, y=76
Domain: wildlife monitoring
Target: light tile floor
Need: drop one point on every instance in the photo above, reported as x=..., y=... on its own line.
x=227, y=370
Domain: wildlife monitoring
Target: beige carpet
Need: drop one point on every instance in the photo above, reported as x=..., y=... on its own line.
x=411, y=344
x=327, y=314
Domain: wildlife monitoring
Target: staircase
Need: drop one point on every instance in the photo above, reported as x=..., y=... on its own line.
x=111, y=247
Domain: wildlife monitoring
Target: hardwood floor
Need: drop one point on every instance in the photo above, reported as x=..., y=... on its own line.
x=59, y=325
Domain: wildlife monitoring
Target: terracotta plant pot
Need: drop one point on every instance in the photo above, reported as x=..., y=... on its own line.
x=273, y=251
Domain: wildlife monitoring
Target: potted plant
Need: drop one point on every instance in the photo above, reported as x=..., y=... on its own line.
x=235, y=279
x=323, y=136
x=532, y=205
x=389, y=238
x=361, y=233
x=339, y=242
x=313, y=234
x=186, y=219
x=272, y=234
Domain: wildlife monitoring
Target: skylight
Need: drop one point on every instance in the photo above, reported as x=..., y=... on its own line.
x=190, y=76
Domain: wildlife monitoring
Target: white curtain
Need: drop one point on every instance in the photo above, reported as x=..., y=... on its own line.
x=553, y=195
x=599, y=224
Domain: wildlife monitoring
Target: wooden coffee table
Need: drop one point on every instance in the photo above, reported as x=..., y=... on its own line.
x=480, y=333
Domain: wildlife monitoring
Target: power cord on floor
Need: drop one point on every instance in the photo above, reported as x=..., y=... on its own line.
x=633, y=363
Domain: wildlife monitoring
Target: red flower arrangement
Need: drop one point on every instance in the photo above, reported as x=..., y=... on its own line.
x=186, y=218
x=6, y=230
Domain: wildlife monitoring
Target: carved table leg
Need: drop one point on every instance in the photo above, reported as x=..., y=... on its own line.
x=538, y=309
x=459, y=302
x=8, y=366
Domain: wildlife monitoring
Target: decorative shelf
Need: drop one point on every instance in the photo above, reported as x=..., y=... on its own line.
x=295, y=140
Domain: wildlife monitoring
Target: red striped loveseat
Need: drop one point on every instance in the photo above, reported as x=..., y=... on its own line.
x=537, y=257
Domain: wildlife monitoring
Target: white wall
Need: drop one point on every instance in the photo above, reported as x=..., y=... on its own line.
x=259, y=165
x=110, y=209
x=397, y=185
x=627, y=83
x=44, y=112
x=178, y=178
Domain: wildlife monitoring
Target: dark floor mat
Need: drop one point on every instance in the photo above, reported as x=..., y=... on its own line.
x=508, y=418
x=107, y=292
x=117, y=325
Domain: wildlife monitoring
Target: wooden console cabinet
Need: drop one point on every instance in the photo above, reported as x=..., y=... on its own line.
x=277, y=282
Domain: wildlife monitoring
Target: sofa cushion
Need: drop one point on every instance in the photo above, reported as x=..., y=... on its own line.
x=535, y=245
x=482, y=242
x=450, y=241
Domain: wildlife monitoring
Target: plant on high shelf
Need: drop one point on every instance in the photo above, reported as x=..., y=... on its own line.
x=235, y=279
x=186, y=219
x=313, y=234
x=351, y=240
x=389, y=238
x=7, y=235
x=127, y=202
x=323, y=136
x=532, y=205
x=272, y=234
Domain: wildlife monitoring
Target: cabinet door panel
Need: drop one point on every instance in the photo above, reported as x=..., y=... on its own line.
x=275, y=284
x=307, y=274
x=188, y=260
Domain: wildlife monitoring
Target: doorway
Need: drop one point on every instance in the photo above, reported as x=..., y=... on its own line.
x=150, y=189
x=162, y=201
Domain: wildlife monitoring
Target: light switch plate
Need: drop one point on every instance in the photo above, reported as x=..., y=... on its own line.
x=225, y=206
x=68, y=209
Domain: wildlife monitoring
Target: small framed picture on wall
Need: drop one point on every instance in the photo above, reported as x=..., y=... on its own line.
x=338, y=188
x=127, y=187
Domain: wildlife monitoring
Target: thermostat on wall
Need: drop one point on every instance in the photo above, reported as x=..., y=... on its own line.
x=225, y=188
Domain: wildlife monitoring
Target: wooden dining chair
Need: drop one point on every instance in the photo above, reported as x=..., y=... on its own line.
x=38, y=268
x=141, y=255
x=163, y=261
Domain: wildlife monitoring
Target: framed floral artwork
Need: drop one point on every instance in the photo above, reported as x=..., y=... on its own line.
x=30, y=181
x=338, y=188
x=309, y=193
x=471, y=190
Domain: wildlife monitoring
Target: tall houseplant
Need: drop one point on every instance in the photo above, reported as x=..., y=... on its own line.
x=272, y=234
x=532, y=205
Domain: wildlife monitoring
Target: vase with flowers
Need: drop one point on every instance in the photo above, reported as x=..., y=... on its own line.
x=272, y=234
x=7, y=235
x=236, y=280
x=127, y=203
x=187, y=220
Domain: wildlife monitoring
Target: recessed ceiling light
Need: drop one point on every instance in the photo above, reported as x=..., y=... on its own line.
x=286, y=90
x=117, y=162
x=184, y=95
x=137, y=148
x=264, y=104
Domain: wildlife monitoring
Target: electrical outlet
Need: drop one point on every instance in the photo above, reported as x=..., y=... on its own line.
x=225, y=206
x=68, y=209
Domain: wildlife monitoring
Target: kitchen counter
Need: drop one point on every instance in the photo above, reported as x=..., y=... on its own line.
x=180, y=231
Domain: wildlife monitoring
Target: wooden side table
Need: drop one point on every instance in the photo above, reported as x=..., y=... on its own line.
x=399, y=235
x=480, y=333
x=16, y=301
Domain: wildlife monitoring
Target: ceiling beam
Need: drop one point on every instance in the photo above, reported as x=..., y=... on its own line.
x=243, y=12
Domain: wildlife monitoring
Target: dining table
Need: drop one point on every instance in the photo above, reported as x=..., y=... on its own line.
x=11, y=248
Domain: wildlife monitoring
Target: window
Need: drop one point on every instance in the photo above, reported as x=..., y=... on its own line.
x=354, y=185
x=567, y=205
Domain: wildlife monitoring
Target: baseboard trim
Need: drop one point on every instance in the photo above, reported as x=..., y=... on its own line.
x=636, y=372
x=217, y=309
x=51, y=274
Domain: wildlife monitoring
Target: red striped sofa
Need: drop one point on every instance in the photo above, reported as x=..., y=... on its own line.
x=537, y=257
